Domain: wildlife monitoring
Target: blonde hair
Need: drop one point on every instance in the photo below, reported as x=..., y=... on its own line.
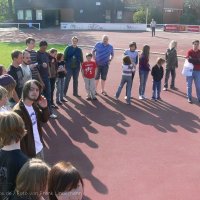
x=32, y=178
x=172, y=44
x=12, y=128
x=10, y=88
x=3, y=92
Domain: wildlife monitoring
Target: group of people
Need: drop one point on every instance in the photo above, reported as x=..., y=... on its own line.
x=22, y=177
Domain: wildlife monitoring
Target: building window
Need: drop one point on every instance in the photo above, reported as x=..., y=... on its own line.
x=28, y=15
x=20, y=15
x=38, y=14
x=119, y=14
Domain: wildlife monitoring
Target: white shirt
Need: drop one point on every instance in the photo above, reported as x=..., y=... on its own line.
x=27, y=75
x=32, y=115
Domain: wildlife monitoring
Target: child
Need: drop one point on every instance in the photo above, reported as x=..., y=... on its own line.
x=9, y=84
x=53, y=73
x=133, y=54
x=3, y=99
x=61, y=72
x=144, y=69
x=127, y=68
x=157, y=73
x=89, y=72
x=12, y=130
x=65, y=182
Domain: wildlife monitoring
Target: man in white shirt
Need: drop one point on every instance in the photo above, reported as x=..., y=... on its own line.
x=153, y=27
x=33, y=109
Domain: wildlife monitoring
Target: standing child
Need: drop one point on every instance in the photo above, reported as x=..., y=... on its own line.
x=61, y=72
x=157, y=73
x=89, y=72
x=127, y=68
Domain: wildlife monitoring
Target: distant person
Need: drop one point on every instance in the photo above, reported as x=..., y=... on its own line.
x=31, y=182
x=53, y=73
x=89, y=71
x=12, y=130
x=30, y=43
x=193, y=56
x=144, y=69
x=127, y=68
x=73, y=57
x=65, y=182
x=133, y=54
x=33, y=109
x=103, y=54
x=43, y=66
x=171, y=65
x=27, y=74
x=153, y=27
x=157, y=74
x=61, y=73
x=16, y=72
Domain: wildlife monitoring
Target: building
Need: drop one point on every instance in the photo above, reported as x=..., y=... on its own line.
x=52, y=12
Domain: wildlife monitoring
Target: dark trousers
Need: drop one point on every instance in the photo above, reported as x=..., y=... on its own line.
x=133, y=75
x=173, y=76
x=153, y=31
x=52, y=83
x=72, y=73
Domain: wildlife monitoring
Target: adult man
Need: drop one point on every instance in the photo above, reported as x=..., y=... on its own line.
x=30, y=43
x=193, y=56
x=16, y=72
x=43, y=67
x=33, y=109
x=103, y=54
x=27, y=75
x=73, y=57
x=153, y=27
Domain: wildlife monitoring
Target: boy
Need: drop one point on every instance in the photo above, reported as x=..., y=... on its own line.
x=157, y=73
x=89, y=73
x=12, y=130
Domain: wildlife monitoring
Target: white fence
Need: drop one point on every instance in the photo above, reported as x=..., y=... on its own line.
x=20, y=25
x=103, y=26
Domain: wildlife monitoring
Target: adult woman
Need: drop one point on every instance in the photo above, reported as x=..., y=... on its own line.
x=144, y=69
x=171, y=65
x=65, y=182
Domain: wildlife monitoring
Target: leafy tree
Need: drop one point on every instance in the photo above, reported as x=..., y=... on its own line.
x=6, y=10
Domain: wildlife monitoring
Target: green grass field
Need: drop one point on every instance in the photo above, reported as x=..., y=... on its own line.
x=7, y=47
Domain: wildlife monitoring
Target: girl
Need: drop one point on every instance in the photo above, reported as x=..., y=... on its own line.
x=144, y=69
x=65, y=182
x=61, y=72
x=127, y=69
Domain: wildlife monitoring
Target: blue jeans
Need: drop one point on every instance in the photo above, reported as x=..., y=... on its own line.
x=128, y=81
x=156, y=89
x=47, y=92
x=75, y=73
x=189, y=79
x=60, y=89
x=143, y=80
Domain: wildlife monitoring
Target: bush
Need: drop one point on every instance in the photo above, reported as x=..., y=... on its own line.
x=139, y=16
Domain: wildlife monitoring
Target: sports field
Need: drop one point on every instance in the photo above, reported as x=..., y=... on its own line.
x=146, y=151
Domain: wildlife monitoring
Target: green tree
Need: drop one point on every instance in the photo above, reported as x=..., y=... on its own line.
x=139, y=16
x=6, y=10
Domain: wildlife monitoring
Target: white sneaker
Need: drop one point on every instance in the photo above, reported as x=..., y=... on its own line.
x=141, y=97
x=125, y=97
x=144, y=97
x=53, y=116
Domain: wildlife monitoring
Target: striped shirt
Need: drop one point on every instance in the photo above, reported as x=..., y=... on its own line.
x=127, y=70
x=103, y=53
x=34, y=71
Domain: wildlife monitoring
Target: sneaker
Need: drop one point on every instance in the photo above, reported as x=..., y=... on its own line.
x=144, y=97
x=159, y=99
x=54, y=106
x=189, y=100
x=53, y=116
x=116, y=98
x=88, y=98
x=141, y=97
x=164, y=89
x=153, y=98
x=59, y=102
x=64, y=100
x=125, y=97
x=94, y=98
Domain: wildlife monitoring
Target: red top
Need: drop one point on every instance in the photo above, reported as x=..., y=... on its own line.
x=89, y=69
x=195, y=58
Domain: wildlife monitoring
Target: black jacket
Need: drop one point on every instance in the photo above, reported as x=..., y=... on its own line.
x=157, y=73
